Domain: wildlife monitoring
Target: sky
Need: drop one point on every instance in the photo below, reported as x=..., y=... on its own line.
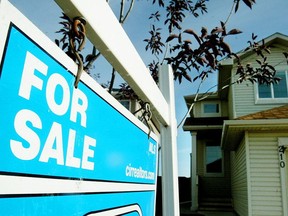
x=266, y=18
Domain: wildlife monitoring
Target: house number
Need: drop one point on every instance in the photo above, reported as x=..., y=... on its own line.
x=281, y=150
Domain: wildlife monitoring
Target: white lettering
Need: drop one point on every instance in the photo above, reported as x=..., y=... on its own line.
x=70, y=159
x=77, y=107
x=88, y=153
x=54, y=81
x=60, y=100
x=79, y=103
x=29, y=79
x=30, y=151
x=54, y=136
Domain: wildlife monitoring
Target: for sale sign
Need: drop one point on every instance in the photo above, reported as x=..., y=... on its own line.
x=65, y=151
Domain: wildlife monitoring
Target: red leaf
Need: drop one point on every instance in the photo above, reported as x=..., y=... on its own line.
x=171, y=37
x=237, y=5
x=234, y=31
x=190, y=31
x=225, y=47
x=248, y=3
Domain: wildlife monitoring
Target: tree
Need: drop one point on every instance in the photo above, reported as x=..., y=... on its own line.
x=186, y=50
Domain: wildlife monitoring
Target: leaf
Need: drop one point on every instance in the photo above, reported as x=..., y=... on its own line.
x=57, y=42
x=89, y=57
x=225, y=47
x=171, y=37
x=267, y=50
x=210, y=59
x=259, y=62
x=160, y=2
x=203, y=32
x=65, y=45
x=237, y=5
x=190, y=31
x=248, y=3
x=187, y=77
x=235, y=55
x=180, y=38
x=195, y=78
x=272, y=68
x=254, y=36
x=216, y=30
x=234, y=31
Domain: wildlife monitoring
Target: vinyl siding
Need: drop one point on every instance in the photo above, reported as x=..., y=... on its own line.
x=244, y=93
x=198, y=108
x=264, y=175
x=239, y=180
x=231, y=103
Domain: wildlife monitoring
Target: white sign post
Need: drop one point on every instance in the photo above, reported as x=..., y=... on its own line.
x=170, y=194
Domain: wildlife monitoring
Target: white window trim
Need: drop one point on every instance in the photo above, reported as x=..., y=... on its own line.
x=222, y=164
x=270, y=100
x=210, y=114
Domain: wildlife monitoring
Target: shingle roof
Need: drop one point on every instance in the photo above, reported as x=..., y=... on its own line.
x=275, y=113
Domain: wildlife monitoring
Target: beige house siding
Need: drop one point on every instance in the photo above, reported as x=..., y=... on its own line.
x=231, y=107
x=244, y=94
x=198, y=108
x=239, y=180
x=264, y=175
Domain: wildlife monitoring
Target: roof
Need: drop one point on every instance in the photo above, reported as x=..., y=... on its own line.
x=275, y=113
x=276, y=38
x=267, y=121
x=226, y=64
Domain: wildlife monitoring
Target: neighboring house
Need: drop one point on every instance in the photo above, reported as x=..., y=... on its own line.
x=239, y=140
x=129, y=100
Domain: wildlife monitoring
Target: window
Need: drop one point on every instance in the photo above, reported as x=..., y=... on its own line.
x=274, y=91
x=211, y=109
x=213, y=158
x=125, y=103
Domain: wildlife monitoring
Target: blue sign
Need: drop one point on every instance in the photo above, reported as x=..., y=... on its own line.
x=82, y=155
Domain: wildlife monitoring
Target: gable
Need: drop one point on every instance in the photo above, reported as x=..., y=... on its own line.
x=243, y=98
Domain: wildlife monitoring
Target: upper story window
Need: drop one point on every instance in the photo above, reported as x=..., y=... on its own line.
x=126, y=104
x=211, y=109
x=274, y=91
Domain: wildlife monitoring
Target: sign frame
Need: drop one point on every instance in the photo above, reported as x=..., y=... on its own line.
x=14, y=184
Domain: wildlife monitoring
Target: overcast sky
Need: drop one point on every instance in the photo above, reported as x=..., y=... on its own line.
x=266, y=18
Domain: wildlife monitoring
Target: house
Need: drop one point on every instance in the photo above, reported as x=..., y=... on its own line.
x=239, y=141
x=127, y=98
